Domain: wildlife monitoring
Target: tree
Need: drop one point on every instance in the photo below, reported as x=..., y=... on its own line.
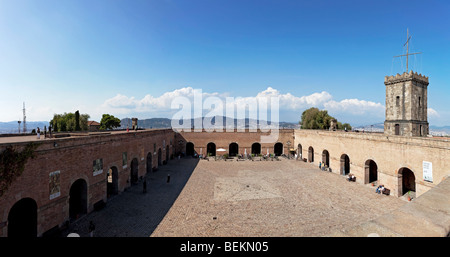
x=84, y=118
x=313, y=118
x=346, y=126
x=77, y=121
x=109, y=122
x=70, y=122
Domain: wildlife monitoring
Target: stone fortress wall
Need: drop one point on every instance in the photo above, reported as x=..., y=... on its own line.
x=73, y=158
x=389, y=153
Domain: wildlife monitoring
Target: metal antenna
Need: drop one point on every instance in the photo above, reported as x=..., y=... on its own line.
x=408, y=37
x=24, y=119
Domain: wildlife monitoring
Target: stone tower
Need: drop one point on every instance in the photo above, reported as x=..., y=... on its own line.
x=406, y=105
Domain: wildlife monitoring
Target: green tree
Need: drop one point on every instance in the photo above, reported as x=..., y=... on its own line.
x=109, y=122
x=313, y=118
x=84, y=118
x=77, y=121
x=346, y=126
x=70, y=122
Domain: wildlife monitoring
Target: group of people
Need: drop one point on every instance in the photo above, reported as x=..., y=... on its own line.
x=380, y=189
x=322, y=166
x=351, y=177
x=38, y=132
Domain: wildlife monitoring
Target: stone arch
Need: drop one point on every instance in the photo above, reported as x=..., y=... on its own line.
x=299, y=151
x=190, y=150
x=310, y=154
x=233, y=149
x=370, y=171
x=278, y=149
x=159, y=157
x=134, y=171
x=345, y=164
x=22, y=219
x=211, y=149
x=326, y=158
x=256, y=148
x=78, y=199
x=167, y=154
x=112, y=181
x=149, y=167
x=407, y=181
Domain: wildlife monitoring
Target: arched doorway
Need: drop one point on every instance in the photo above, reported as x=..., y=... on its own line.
x=408, y=181
x=370, y=171
x=112, y=186
x=299, y=149
x=278, y=149
x=167, y=154
x=159, y=157
x=22, y=219
x=310, y=154
x=211, y=149
x=190, y=149
x=345, y=164
x=234, y=149
x=78, y=199
x=256, y=148
x=325, y=158
x=134, y=171
x=149, y=162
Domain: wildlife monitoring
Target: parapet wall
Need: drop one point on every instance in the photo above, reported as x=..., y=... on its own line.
x=405, y=77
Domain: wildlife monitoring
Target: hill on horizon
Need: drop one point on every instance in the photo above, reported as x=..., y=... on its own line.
x=167, y=123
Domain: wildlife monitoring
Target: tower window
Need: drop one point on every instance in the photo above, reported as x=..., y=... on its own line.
x=420, y=101
x=397, y=101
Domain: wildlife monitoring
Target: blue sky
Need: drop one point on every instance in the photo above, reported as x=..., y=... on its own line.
x=130, y=58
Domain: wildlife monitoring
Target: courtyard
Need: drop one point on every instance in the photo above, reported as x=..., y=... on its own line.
x=270, y=198
x=285, y=198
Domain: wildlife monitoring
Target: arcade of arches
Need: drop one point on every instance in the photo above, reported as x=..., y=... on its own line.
x=233, y=149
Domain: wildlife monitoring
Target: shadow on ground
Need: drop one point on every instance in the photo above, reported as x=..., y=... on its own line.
x=133, y=213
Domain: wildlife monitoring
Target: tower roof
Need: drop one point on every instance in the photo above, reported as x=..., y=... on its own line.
x=406, y=77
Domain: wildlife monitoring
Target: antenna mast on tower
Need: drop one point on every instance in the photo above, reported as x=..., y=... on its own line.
x=24, y=119
x=408, y=37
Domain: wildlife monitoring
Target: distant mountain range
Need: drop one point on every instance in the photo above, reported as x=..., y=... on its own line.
x=167, y=123
x=379, y=127
x=12, y=127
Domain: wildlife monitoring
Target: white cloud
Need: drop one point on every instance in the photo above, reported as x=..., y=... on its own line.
x=289, y=105
x=151, y=103
x=432, y=113
x=355, y=107
x=291, y=102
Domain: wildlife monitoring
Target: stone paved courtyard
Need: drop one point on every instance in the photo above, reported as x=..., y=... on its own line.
x=238, y=198
x=270, y=198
